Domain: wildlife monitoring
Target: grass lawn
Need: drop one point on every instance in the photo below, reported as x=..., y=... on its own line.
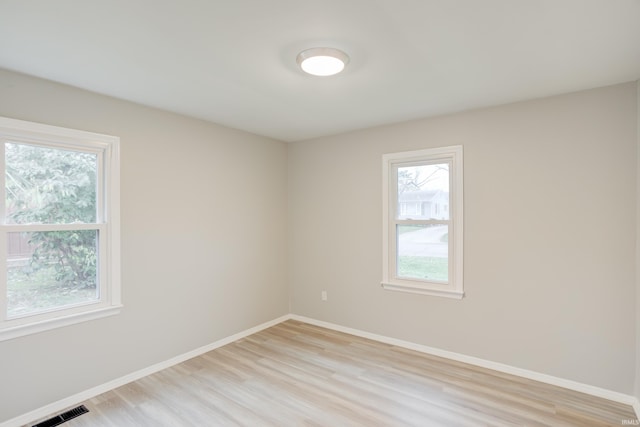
x=423, y=267
x=33, y=291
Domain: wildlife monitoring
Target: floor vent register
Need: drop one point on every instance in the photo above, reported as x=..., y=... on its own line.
x=63, y=418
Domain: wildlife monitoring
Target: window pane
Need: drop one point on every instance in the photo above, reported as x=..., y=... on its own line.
x=50, y=269
x=423, y=192
x=423, y=252
x=49, y=186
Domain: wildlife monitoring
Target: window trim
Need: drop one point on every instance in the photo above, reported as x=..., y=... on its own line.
x=107, y=149
x=454, y=287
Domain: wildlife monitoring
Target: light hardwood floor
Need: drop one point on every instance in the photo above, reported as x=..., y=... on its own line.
x=296, y=374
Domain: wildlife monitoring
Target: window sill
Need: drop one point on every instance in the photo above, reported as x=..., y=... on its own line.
x=59, y=322
x=417, y=289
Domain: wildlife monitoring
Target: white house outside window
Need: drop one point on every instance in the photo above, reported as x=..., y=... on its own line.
x=422, y=221
x=59, y=227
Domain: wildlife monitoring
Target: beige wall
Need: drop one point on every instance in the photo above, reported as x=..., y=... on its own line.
x=637, y=384
x=550, y=201
x=550, y=198
x=203, y=257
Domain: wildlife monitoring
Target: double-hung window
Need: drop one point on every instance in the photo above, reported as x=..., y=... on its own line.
x=422, y=221
x=59, y=227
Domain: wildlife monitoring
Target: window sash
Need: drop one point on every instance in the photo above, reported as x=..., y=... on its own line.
x=94, y=148
x=393, y=250
x=102, y=272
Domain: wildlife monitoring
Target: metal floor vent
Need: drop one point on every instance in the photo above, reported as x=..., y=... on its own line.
x=64, y=417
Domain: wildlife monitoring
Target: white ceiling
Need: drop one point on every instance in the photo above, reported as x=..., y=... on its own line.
x=233, y=62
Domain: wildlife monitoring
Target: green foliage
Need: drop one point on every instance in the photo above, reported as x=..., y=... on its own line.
x=73, y=253
x=54, y=186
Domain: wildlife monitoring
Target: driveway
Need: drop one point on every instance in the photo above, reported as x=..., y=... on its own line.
x=426, y=242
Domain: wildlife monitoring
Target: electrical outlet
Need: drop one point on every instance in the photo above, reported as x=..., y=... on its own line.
x=323, y=295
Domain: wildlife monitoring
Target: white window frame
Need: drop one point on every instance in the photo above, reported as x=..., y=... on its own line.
x=453, y=288
x=107, y=150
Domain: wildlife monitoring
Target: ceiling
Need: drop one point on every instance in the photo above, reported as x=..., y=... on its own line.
x=233, y=62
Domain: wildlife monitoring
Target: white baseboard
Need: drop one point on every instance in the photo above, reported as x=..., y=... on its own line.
x=78, y=398
x=524, y=373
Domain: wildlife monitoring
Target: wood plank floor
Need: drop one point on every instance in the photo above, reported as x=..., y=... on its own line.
x=296, y=374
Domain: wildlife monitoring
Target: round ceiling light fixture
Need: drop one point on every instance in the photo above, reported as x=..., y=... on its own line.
x=322, y=61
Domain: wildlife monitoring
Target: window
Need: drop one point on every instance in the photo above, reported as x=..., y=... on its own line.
x=59, y=227
x=422, y=249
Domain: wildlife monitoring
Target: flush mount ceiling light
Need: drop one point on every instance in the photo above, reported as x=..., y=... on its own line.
x=322, y=61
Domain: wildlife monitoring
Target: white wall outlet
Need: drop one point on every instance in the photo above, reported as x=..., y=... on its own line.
x=323, y=295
